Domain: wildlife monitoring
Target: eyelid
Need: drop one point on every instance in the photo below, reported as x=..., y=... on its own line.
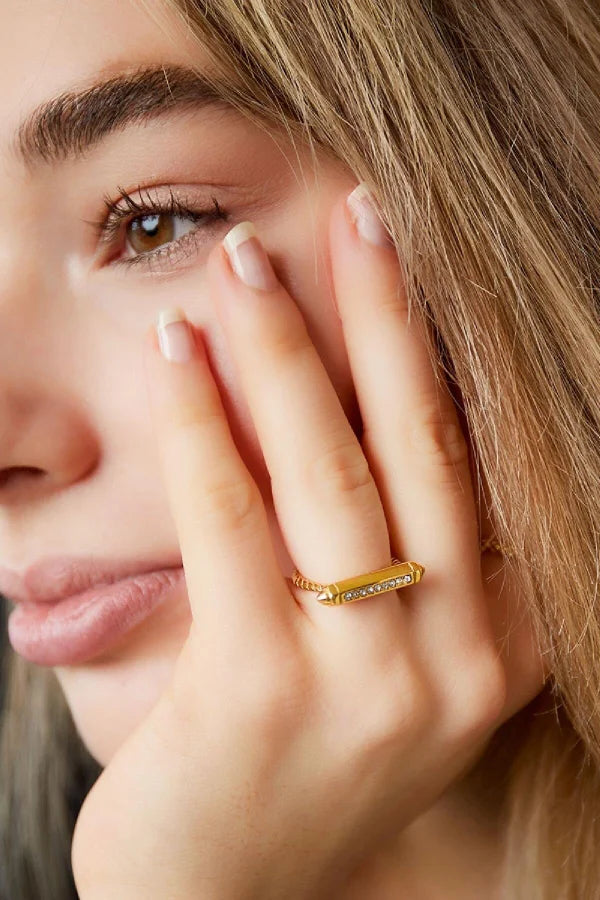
x=126, y=209
x=125, y=203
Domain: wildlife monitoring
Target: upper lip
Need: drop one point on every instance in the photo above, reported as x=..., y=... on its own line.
x=55, y=578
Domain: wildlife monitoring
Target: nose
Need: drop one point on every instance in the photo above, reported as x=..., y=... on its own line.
x=46, y=443
x=46, y=439
x=14, y=473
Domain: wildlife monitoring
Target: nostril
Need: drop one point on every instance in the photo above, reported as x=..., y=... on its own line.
x=14, y=474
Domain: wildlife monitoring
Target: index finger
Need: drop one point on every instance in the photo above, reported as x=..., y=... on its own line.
x=230, y=565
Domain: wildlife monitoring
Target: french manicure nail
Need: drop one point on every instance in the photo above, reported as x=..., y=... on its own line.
x=364, y=214
x=248, y=258
x=174, y=336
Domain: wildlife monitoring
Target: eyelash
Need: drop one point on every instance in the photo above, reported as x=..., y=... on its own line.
x=108, y=228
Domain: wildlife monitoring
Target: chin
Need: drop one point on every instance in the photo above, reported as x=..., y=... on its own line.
x=112, y=694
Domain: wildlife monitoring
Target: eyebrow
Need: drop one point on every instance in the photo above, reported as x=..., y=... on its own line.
x=69, y=125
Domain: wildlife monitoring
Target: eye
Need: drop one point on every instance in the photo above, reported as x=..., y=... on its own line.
x=157, y=230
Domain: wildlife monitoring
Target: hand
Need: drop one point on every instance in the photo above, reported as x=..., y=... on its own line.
x=294, y=738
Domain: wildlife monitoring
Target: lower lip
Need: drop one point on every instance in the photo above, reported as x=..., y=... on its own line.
x=76, y=629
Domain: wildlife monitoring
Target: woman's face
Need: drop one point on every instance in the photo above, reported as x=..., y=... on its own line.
x=79, y=469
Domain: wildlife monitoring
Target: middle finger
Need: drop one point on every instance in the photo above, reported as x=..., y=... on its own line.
x=326, y=499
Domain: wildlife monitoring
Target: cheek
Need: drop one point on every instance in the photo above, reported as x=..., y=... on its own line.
x=307, y=275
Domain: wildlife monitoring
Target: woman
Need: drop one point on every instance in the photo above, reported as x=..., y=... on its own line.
x=439, y=737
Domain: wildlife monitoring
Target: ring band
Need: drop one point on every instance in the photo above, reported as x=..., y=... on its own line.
x=379, y=581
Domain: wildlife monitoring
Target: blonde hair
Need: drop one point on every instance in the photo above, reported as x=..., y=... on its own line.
x=477, y=127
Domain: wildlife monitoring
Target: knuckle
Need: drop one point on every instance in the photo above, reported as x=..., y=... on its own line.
x=416, y=709
x=193, y=415
x=405, y=714
x=438, y=442
x=273, y=697
x=288, y=339
x=483, y=699
x=343, y=468
x=269, y=703
x=231, y=501
x=394, y=304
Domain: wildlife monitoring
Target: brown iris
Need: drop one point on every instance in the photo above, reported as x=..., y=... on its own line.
x=147, y=232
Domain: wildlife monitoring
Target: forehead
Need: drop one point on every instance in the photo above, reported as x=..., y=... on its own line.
x=50, y=46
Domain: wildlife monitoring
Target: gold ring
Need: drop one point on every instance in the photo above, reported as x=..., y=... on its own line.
x=390, y=578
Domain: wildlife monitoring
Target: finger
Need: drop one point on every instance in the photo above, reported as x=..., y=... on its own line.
x=326, y=499
x=410, y=423
x=412, y=436
x=232, y=575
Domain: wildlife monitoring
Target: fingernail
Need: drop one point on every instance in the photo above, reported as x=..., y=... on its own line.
x=364, y=214
x=175, y=338
x=248, y=258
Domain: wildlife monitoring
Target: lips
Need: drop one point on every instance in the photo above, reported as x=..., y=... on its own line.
x=53, y=579
x=71, y=609
x=78, y=628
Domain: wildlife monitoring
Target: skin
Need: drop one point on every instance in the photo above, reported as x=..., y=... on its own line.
x=79, y=409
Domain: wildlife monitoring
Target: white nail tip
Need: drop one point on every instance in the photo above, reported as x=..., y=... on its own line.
x=166, y=316
x=238, y=234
